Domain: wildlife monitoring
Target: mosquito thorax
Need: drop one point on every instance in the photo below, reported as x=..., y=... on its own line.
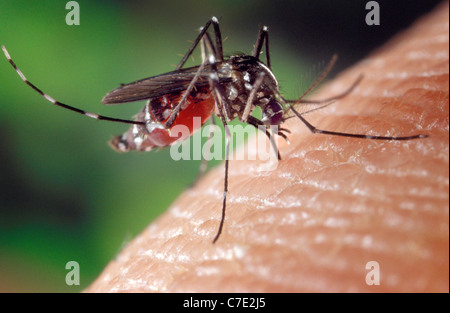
x=244, y=70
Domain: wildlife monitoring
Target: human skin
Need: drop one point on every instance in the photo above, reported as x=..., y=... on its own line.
x=332, y=204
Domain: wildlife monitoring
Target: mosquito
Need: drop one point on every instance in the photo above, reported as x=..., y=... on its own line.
x=227, y=87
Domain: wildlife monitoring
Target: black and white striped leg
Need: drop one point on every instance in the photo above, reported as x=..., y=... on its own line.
x=251, y=97
x=225, y=182
x=218, y=51
x=247, y=118
x=263, y=37
x=184, y=97
x=206, y=44
x=258, y=124
x=205, y=159
x=63, y=105
x=222, y=104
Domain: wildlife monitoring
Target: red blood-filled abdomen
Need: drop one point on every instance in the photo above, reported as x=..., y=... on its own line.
x=194, y=113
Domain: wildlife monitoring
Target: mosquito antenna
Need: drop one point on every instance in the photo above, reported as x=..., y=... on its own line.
x=65, y=106
x=330, y=100
x=318, y=80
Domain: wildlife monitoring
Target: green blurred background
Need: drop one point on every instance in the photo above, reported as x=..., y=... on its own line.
x=64, y=194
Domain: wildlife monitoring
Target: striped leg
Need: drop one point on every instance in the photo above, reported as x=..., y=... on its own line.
x=222, y=106
x=216, y=52
x=65, y=106
x=263, y=37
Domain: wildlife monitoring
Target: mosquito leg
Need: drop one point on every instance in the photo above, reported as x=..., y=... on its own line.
x=225, y=188
x=282, y=135
x=65, y=106
x=205, y=44
x=205, y=160
x=208, y=44
x=225, y=181
x=203, y=49
x=315, y=130
x=267, y=48
x=329, y=101
x=257, y=124
x=263, y=36
x=259, y=41
x=218, y=50
x=247, y=118
x=215, y=85
x=222, y=104
x=251, y=97
x=203, y=30
x=218, y=36
x=222, y=109
x=183, y=99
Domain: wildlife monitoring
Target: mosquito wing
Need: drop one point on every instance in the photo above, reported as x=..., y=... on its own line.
x=159, y=85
